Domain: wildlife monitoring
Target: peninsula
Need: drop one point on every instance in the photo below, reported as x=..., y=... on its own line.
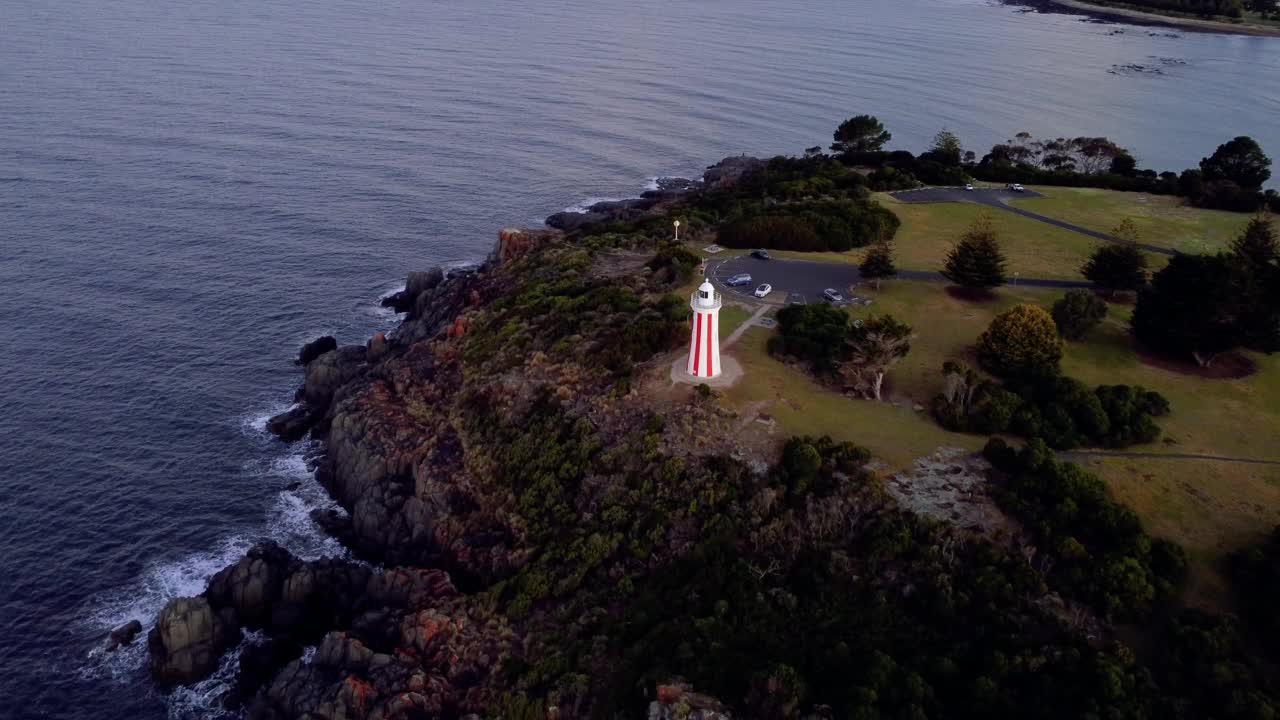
x=878, y=515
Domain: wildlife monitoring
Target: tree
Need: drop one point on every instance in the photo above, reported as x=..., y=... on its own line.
x=873, y=346
x=861, y=133
x=946, y=148
x=815, y=333
x=1116, y=268
x=1078, y=312
x=1021, y=342
x=878, y=263
x=1241, y=161
x=1256, y=246
x=1255, y=260
x=976, y=261
x=1190, y=309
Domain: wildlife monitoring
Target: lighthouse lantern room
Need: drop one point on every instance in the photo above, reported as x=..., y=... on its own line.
x=704, y=336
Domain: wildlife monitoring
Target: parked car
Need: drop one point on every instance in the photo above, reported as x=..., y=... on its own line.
x=969, y=187
x=830, y=295
x=1016, y=187
x=761, y=253
x=763, y=290
x=738, y=280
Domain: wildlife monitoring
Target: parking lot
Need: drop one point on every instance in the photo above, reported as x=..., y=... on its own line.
x=793, y=281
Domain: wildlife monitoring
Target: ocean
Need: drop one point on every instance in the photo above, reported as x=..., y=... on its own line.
x=190, y=191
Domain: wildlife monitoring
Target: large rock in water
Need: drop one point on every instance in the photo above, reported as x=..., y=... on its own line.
x=188, y=639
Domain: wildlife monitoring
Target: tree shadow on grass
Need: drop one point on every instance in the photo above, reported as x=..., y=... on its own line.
x=1227, y=366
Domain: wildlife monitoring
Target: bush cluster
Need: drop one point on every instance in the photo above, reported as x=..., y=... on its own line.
x=1096, y=548
x=1059, y=410
x=812, y=225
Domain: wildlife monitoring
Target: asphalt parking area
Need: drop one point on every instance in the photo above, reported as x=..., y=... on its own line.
x=798, y=281
x=995, y=197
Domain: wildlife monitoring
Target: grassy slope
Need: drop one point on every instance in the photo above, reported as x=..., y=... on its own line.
x=1161, y=220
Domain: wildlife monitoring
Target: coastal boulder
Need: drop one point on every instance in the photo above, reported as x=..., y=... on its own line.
x=316, y=348
x=123, y=635
x=253, y=584
x=292, y=424
x=188, y=639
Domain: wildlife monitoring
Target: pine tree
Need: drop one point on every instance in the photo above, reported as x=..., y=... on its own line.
x=878, y=263
x=1255, y=262
x=1257, y=245
x=976, y=261
x=1116, y=267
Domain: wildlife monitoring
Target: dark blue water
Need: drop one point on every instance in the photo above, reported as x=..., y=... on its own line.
x=189, y=190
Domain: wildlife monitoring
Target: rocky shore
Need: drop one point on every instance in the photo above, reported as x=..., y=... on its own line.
x=408, y=630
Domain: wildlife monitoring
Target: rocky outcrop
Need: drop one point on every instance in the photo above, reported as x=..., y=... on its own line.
x=729, y=171
x=378, y=638
x=324, y=375
x=188, y=640
x=315, y=349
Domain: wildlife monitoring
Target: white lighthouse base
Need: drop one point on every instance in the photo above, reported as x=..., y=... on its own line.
x=730, y=371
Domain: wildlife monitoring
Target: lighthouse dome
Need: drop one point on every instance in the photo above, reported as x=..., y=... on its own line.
x=705, y=295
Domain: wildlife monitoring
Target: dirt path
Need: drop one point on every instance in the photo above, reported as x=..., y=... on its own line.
x=1071, y=454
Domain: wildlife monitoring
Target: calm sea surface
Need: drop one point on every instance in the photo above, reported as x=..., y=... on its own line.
x=190, y=190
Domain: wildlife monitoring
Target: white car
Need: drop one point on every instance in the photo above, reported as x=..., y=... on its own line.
x=831, y=296
x=1016, y=187
x=763, y=290
x=968, y=187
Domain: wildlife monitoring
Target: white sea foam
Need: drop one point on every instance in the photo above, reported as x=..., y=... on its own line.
x=288, y=522
x=652, y=183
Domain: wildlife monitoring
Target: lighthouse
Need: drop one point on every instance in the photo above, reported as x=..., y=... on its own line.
x=704, y=336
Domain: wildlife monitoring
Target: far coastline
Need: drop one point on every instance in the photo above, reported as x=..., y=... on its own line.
x=1146, y=18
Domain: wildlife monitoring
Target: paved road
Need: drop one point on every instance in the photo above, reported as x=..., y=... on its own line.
x=808, y=279
x=999, y=199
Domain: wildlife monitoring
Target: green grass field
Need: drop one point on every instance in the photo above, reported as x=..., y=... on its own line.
x=731, y=316
x=1161, y=220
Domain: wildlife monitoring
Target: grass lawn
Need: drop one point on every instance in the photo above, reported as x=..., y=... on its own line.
x=731, y=316
x=1209, y=507
x=1034, y=249
x=1161, y=220
x=898, y=435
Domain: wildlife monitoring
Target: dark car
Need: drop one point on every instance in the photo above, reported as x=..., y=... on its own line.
x=738, y=280
x=761, y=253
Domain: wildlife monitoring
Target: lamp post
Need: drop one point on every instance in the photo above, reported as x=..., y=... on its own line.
x=677, y=224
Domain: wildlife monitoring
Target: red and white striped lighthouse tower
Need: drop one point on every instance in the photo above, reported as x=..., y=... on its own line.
x=704, y=339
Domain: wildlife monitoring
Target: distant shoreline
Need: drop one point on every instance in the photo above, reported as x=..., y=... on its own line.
x=1140, y=17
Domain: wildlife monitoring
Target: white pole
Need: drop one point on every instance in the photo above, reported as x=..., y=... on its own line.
x=677, y=224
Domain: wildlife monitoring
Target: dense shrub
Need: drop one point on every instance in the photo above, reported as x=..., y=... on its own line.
x=673, y=264
x=1078, y=312
x=817, y=225
x=1116, y=267
x=1098, y=548
x=814, y=333
x=1061, y=411
x=1255, y=579
x=1022, y=341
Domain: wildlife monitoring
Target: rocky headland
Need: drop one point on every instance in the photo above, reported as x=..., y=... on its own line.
x=542, y=525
